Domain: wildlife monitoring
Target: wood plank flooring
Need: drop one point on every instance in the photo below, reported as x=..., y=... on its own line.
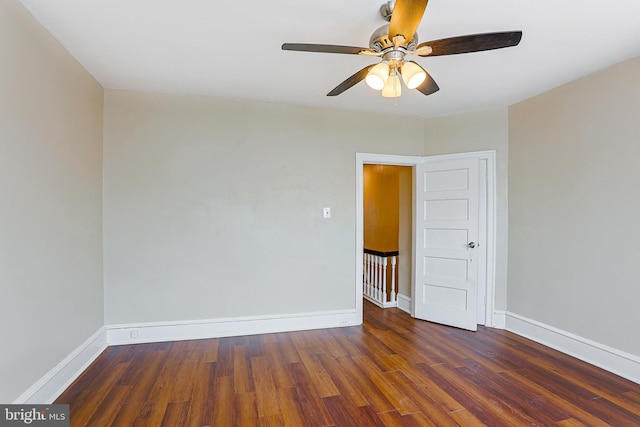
x=392, y=371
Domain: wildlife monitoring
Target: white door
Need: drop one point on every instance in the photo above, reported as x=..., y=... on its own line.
x=446, y=255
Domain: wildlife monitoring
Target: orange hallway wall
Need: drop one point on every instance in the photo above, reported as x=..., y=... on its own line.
x=381, y=213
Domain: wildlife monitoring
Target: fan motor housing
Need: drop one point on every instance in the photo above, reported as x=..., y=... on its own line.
x=379, y=40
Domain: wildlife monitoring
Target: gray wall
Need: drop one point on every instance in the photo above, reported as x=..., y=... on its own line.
x=213, y=208
x=50, y=197
x=479, y=131
x=574, y=207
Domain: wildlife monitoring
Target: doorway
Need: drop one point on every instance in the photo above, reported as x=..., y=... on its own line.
x=486, y=248
x=388, y=195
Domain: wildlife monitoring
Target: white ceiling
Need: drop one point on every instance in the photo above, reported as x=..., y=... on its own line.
x=231, y=49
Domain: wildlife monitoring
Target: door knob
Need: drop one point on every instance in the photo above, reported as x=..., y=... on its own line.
x=471, y=245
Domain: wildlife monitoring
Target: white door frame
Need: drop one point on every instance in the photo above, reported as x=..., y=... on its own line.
x=395, y=160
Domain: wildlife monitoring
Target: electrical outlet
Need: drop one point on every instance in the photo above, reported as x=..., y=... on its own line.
x=133, y=333
x=326, y=213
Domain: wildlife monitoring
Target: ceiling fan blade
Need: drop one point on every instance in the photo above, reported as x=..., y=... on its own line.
x=429, y=85
x=472, y=43
x=323, y=48
x=406, y=17
x=351, y=81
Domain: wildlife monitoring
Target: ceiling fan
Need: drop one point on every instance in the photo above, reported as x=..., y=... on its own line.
x=396, y=41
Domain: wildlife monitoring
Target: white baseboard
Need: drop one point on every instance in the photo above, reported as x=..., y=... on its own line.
x=499, y=319
x=404, y=303
x=613, y=360
x=54, y=382
x=236, y=326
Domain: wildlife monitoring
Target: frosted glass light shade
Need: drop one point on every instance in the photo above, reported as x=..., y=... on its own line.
x=377, y=76
x=413, y=75
x=392, y=89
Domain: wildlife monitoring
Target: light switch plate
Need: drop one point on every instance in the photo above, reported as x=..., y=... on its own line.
x=326, y=213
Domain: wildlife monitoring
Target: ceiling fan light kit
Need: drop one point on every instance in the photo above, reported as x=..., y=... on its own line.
x=378, y=76
x=392, y=89
x=413, y=74
x=398, y=39
x=385, y=78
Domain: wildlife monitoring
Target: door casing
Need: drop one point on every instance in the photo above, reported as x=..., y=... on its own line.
x=487, y=231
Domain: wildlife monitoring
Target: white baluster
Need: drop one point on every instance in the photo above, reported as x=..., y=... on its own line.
x=369, y=273
x=364, y=274
x=393, y=279
x=377, y=280
x=372, y=291
x=383, y=298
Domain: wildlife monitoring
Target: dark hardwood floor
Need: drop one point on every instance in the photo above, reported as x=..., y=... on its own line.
x=392, y=371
